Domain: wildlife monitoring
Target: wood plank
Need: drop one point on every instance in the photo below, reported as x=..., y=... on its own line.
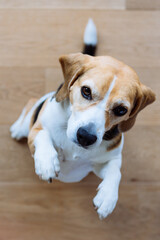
x=141, y=154
x=53, y=78
x=16, y=163
x=143, y=5
x=64, y=212
x=140, y=157
x=17, y=86
x=151, y=114
x=39, y=37
x=33, y=34
x=62, y=4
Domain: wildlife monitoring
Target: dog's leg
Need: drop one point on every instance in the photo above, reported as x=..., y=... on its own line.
x=45, y=156
x=107, y=196
x=20, y=128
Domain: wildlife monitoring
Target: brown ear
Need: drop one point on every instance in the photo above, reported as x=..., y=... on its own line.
x=144, y=97
x=72, y=67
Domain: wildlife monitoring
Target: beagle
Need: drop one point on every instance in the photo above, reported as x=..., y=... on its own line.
x=79, y=129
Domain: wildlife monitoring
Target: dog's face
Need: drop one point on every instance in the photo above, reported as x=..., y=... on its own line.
x=103, y=92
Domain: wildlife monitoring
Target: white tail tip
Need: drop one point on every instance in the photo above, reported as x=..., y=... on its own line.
x=90, y=33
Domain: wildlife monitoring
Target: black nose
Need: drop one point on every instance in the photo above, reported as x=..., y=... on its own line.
x=85, y=138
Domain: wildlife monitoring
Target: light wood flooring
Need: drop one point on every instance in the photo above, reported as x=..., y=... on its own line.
x=33, y=34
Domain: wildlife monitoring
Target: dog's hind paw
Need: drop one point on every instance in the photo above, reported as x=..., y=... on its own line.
x=16, y=131
x=19, y=128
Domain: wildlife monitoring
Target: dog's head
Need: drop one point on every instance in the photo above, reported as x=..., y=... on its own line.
x=103, y=93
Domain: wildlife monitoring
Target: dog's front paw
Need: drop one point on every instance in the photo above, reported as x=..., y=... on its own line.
x=105, y=202
x=47, y=165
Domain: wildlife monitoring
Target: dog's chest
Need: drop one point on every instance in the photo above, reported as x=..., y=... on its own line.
x=76, y=162
x=68, y=151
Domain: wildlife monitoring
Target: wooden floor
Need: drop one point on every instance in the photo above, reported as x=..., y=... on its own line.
x=33, y=34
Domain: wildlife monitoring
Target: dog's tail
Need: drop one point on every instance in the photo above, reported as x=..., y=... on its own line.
x=90, y=38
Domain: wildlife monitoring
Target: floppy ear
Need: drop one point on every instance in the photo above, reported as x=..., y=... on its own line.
x=72, y=67
x=144, y=97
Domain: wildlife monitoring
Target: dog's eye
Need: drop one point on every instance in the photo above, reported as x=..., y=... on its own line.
x=86, y=92
x=120, y=111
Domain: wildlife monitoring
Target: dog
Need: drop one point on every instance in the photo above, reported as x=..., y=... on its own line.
x=79, y=128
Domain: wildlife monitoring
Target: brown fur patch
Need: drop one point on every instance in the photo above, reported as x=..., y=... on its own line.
x=32, y=134
x=35, y=128
x=83, y=108
x=29, y=106
x=107, y=122
x=115, y=143
x=33, y=115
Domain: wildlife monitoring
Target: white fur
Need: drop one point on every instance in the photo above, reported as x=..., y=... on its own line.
x=94, y=115
x=20, y=128
x=107, y=196
x=55, y=151
x=104, y=101
x=45, y=157
x=90, y=34
x=15, y=128
x=76, y=162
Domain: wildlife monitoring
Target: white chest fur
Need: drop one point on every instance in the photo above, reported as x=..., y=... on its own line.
x=75, y=162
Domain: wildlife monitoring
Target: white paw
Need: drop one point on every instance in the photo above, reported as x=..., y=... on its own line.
x=105, y=202
x=16, y=131
x=47, y=164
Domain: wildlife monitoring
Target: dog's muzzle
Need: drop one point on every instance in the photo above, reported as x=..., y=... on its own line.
x=85, y=138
